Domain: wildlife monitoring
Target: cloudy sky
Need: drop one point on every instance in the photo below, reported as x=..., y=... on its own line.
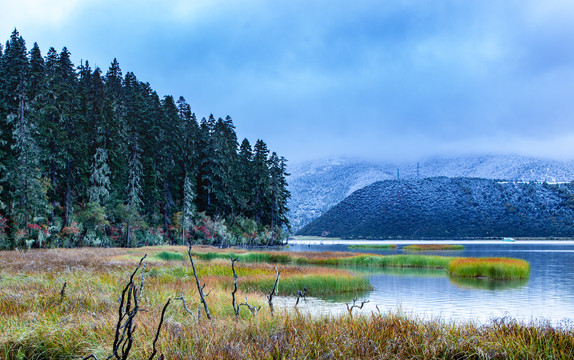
x=393, y=79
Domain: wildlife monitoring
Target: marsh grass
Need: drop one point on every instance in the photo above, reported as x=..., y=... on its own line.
x=373, y=246
x=170, y=256
x=37, y=323
x=491, y=268
x=438, y=247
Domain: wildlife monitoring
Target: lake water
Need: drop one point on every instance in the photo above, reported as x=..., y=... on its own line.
x=547, y=295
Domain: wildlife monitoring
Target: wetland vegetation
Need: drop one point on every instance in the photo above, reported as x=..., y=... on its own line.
x=64, y=302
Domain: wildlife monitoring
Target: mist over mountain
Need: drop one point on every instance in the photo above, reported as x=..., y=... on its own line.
x=450, y=208
x=318, y=185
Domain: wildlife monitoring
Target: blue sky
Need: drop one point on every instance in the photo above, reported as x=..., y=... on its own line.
x=394, y=79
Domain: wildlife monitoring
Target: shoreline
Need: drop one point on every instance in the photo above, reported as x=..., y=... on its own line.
x=312, y=240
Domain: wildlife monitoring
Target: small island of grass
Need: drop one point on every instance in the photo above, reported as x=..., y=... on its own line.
x=491, y=268
x=422, y=247
x=373, y=246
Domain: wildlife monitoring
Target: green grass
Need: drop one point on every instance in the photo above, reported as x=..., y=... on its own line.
x=249, y=257
x=318, y=285
x=423, y=247
x=373, y=246
x=491, y=268
x=420, y=261
x=170, y=256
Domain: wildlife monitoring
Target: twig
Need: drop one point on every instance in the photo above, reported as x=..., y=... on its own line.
x=142, y=282
x=273, y=292
x=63, y=291
x=350, y=309
x=184, y=304
x=301, y=294
x=158, y=329
x=233, y=303
x=199, y=287
x=253, y=309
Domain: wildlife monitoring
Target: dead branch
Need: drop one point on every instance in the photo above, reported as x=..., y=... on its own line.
x=301, y=294
x=158, y=329
x=233, y=303
x=184, y=304
x=142, y=282
x=63, y=291
x=350, y=309
x=199, y=287
x=274, y=291
x=252, y=309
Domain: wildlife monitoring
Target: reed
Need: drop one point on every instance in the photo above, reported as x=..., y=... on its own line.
x=422, y=247
x=490, y=268
x=420, y=261
x=373, y=246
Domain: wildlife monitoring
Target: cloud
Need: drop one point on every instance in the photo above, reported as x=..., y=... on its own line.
x=335, y=75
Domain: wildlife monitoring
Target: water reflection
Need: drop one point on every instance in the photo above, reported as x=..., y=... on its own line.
x=487, y=284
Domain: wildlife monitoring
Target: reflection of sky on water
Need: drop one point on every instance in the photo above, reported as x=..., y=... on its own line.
x=549, y=293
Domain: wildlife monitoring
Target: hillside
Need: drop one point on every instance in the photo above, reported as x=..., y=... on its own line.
x=317, y=186
x=450, y=207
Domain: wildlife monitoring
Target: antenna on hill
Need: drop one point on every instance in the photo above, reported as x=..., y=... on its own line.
x=398, y=175
x=418, y=170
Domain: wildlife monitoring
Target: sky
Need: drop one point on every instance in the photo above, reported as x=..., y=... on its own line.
x=380, y=80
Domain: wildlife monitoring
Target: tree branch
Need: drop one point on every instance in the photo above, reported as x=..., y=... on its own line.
x=273, y=292
x=199, y=287
x=158, y=329
x=350, y=309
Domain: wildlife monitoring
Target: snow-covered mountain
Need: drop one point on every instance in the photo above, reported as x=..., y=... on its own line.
x=316, y=186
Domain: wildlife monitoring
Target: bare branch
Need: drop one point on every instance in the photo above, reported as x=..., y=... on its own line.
x=158, y=329
x=233, y=302
x=350, y=309
x=301, y=294
x=252, y=309
x=63, y=291
x=142, y=282
x=274, y=291
x=184, y=304
x=199, y=287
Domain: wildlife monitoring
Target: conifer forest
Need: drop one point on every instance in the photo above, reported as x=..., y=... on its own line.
x=92, y=157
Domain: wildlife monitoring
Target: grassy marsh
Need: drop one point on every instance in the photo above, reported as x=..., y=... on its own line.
x=423, y=247
x=37, y=322
x=491, y=268
x=373, y=246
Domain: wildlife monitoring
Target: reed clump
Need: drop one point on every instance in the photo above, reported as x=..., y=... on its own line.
x=491, y=268
x=373, y=246
x=438, y=247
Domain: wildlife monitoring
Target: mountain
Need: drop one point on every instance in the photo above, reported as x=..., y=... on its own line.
x=450, y=207
x=318, y=185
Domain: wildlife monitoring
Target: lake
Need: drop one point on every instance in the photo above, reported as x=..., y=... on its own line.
x=547, y=295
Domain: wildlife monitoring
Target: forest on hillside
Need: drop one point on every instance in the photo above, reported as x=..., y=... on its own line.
x=89, y=158
x=443, y=208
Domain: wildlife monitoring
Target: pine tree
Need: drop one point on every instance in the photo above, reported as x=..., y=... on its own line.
x=245, y=179
x=99, y=191
x=261, y=183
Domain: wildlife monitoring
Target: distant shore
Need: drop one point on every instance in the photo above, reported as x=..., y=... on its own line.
x=319, y=240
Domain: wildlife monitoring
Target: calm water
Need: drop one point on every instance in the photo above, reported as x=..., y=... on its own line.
x=548, y=294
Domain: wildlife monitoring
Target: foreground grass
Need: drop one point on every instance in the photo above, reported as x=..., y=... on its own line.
x=38, y=322
x=491, y=268
x=423, y=247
